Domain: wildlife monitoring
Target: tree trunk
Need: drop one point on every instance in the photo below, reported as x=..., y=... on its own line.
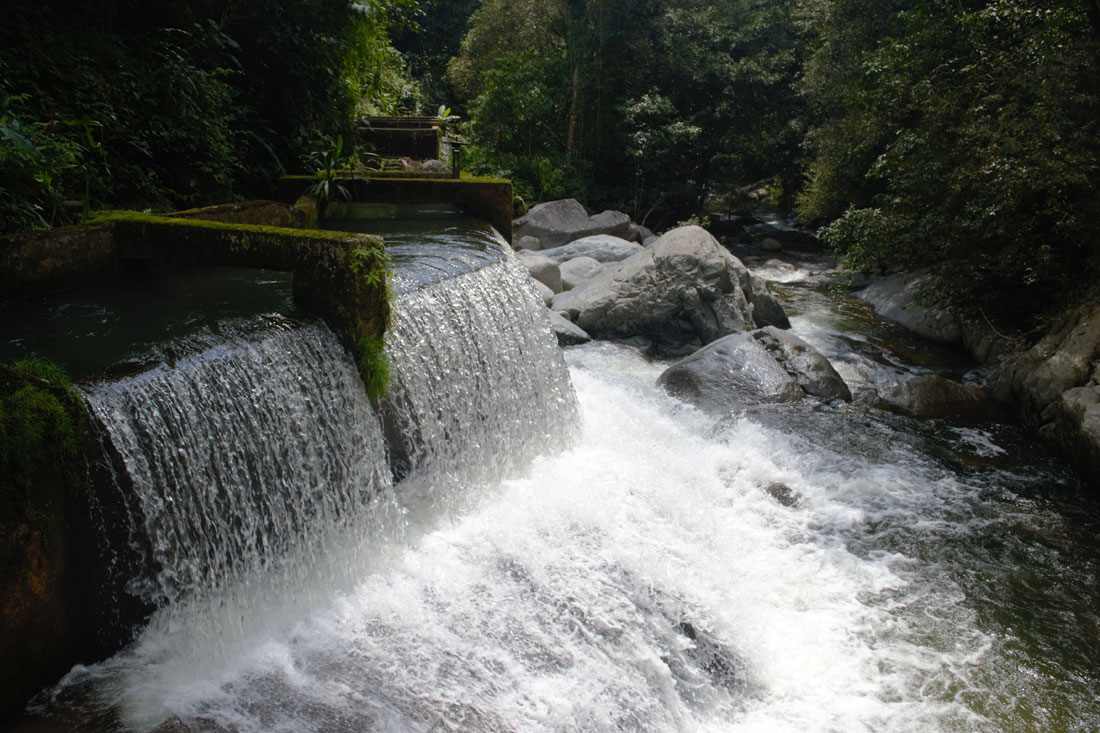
x=574, y=102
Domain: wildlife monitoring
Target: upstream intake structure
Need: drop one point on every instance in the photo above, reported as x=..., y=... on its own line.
x=238, y=461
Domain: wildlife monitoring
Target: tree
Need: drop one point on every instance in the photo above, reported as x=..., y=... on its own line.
x=980, y=152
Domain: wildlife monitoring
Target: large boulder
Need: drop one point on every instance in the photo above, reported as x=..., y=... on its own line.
x=732, y=373
x=807, y=365
x=567, y=332
x=578, y=271
x=936, y=396
x=555, y=223
x=894, y=298
x=683, y=291
x=1055, y=386
x=600, y=247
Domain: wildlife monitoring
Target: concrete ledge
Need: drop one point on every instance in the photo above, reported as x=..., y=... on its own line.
x=340, y=276
x=36, y=262
x=486, y=198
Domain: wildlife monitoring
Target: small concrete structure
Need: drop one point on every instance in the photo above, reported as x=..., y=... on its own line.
x=489, y=199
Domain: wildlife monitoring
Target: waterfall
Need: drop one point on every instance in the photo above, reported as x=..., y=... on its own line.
x=479, y=384
x=520, y=541
x=248, y=455
x=252, y=468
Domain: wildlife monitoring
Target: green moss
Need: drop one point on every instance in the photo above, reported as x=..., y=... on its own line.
x=137, y=217
x=374, y=367
x=372, y=264
x=40, y=419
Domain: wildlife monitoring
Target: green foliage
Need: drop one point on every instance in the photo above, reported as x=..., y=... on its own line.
x=374, y=367
x=373, y=264
x=122, y=103
x=644, y=105
x=966, y=138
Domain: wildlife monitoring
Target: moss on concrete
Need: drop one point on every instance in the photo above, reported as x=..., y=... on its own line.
x=33, y=262
x=342, y=276
x=42, y=423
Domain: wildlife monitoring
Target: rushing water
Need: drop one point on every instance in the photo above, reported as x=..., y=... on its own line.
x=602, y=557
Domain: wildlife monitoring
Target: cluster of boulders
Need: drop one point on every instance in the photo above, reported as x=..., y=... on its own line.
x=1053, y=386
x=680, y=294
x=685, y=295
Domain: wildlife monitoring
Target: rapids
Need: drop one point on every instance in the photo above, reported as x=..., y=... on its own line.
x=572, y=549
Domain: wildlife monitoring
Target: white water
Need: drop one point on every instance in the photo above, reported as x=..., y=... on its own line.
x=557, y=601
x=642, y=578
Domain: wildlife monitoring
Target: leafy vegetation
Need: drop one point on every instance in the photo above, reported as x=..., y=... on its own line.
x=962, y=136
x=965, y=137
x=124, y=103
x=40, y=419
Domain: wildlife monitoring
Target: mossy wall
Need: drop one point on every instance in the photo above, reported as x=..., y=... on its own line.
x=34, y=262
x=256, y=213
x=341, y=276
x=42, y=472
x=50, y=584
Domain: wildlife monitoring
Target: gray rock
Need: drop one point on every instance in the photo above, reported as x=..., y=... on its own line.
x=567, y=332
x=935, y=396
x=546, y=293
x=527, y=243
x=639, y=233
x=1055, y=387
x=782, y=493
x=732, y=373
x=770, y=244
x=600, y=247
x=807, y=365
x=435, y=166
x=683, y=291
x=893, y=299
x=766, y=310
x=543, y=269
x=614, y=223
x=578, y=271
x=555, y=223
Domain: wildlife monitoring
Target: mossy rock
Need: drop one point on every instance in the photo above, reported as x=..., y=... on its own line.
x=42, y=468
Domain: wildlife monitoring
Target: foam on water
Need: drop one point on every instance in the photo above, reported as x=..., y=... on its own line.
x=641, y=573
x=642, y=580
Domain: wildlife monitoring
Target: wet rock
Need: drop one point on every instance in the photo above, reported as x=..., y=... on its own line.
x=807, y=365
x=932, y=396
x=729, y=374
x=545, y=293
x=894, y=299
x=527, y=243
x=639, y=234
x=578, y=271
x=771, y=244
x=567, y=332
x=782, y=493
x=1055, y=386
x=600, y=247
x=683, y=291
x=785, y=239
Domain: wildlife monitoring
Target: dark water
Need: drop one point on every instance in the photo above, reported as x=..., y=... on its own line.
x=427, y=244
x=125, y=317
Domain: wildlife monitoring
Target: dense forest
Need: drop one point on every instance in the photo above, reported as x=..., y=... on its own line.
x=963, y=135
